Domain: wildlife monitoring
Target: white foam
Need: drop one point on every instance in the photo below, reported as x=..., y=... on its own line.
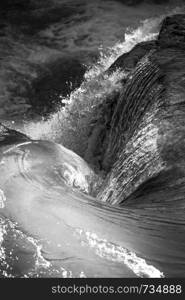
x=75, y=178
x=2, y=199
x=70, y=125
x=117, y=253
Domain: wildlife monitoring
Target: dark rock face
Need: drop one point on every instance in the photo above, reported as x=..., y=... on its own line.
x=147, y=129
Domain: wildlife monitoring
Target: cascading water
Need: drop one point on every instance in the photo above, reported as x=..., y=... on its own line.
x=80, y=106
x=22, y=255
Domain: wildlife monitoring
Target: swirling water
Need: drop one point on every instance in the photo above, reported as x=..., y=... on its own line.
x=95, y=253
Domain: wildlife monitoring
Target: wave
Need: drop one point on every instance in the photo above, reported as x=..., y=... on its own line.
x=135, y=240
x=70, y=124
x=50, y=228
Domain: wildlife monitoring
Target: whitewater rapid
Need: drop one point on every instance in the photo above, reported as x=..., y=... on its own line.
x=43, y=200
x=70, y=124
x=69, y=127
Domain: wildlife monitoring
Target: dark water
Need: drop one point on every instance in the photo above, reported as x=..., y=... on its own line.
x=47, y=45
x=52, y=61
